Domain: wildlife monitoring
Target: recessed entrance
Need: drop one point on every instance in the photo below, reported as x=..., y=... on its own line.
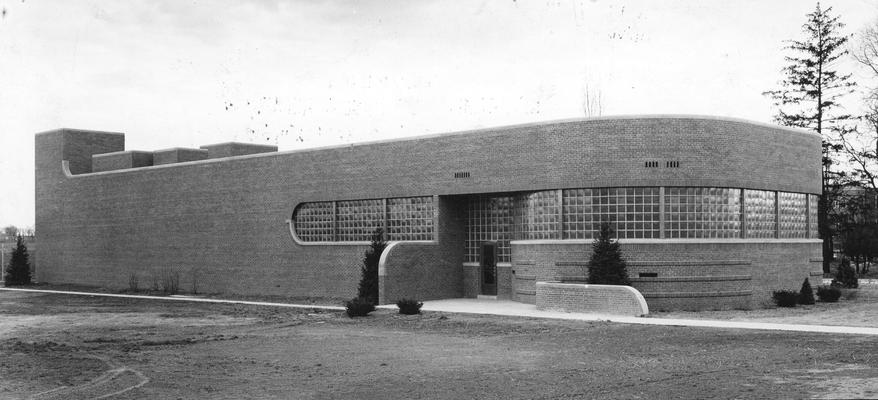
x=488, y=264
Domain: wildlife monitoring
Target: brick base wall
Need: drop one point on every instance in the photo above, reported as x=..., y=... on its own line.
x=689, y=275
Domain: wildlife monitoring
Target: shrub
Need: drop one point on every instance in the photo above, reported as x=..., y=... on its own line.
x=359, y=307
x=845, y=276
x=18, y=270
x=606, y=266
x=806, y=294
x=785, y=298
x=368, y=288
x=828, y=294
x=409, y=306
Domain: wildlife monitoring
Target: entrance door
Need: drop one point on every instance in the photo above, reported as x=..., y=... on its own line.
x=489, y=268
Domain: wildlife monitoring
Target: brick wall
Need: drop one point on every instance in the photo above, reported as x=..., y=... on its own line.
x=598, y=299
x=690, y=274
x=224, y=219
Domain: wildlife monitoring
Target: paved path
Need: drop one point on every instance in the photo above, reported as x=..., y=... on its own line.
x=506, y=307
x=512, y=308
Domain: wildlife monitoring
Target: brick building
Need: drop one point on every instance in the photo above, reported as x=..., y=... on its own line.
x=711, y=212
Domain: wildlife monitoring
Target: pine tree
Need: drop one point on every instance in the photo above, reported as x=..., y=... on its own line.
x=808, y=99
x=607, y=267
x=806, y=294
x=368, y=288
x=18, y=270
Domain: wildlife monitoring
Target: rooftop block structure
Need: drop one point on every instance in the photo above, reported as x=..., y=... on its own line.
x=177, y=155
x=711, y=212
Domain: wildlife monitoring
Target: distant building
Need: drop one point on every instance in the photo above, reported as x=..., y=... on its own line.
x=710, y=212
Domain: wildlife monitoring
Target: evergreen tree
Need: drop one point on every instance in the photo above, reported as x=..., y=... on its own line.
x=806, y=294
x=607, y=267
x=808, y=99
x=368, y=288
x=18, y=270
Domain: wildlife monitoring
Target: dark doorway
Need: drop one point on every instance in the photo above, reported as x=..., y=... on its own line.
x=488, y=262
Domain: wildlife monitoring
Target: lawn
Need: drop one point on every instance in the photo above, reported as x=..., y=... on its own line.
x=72, y=347
x=857, y=307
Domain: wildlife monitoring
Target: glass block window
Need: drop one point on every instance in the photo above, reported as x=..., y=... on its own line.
x=702, y=212
x=313, y=221
x=759, y=208
x=578, y=216
x=793, y=210
x=634, y=212
x=812, y=216
x=410, y=218
x=356, y=220
x=537, y=215
x=489, y=218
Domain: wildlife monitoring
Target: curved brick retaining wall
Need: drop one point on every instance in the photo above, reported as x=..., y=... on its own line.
x=584, y=298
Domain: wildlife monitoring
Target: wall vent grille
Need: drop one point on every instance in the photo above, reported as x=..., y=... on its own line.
x=461, y=175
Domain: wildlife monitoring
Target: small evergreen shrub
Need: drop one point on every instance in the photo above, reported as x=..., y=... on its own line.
x=359, y=307
x=606, y=266
x=785, y=298
x=828, y=294
x=368, y=288
x=18, y=270
x=409, y=306
x=845, y=276
x=806, y=294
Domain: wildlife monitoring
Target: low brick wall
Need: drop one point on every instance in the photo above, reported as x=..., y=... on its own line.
x=600, y=299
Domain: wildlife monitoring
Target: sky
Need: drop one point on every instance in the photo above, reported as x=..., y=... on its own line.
x=301, y=74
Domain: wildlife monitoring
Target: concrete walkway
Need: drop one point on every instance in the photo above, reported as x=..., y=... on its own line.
x=509, y=308
x=512, y=308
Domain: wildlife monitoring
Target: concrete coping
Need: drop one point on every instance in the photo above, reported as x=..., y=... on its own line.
x=121, y=152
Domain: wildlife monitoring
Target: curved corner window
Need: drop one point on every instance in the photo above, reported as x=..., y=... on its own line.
x=793, y=210
x=812, y=216
x=760, y=212
x=700, y=212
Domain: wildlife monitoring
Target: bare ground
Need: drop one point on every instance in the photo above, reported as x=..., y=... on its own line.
x=75, y=347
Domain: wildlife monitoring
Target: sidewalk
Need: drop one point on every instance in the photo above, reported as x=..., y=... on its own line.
x=512, y=308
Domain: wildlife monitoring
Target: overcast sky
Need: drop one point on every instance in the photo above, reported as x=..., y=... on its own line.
x=303, y=74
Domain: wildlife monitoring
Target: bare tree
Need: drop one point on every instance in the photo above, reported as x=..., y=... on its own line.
x=862, y=144
x=592, y=101
x=10, y=231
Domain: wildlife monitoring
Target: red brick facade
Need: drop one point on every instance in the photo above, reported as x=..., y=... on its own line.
x=224, y=220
